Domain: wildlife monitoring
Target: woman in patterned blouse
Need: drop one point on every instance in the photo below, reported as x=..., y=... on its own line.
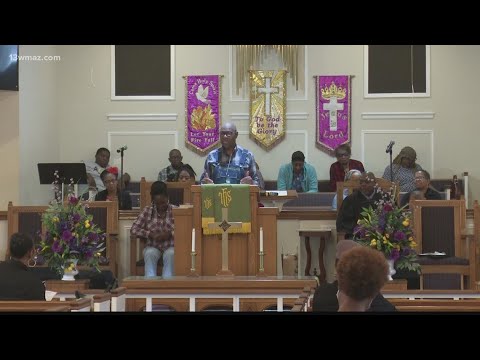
x=404, y=169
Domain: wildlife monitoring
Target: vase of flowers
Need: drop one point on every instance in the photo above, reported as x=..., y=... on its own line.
x=387, y=228
x=70, y=269
x=71, y=238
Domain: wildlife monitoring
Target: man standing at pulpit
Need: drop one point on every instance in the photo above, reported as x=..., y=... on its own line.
x=231, y=163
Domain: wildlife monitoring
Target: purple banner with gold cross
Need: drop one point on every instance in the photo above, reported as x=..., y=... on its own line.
x=203, y=112
x=333, y=108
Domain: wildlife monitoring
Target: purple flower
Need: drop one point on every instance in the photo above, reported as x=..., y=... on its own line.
x=399, y=236
x=406, y=251
x=76, y=218
x=92, y=237
x=395, y=255
x=387, y=207
x=66, y=235
x=73, y=200
x=57, y=247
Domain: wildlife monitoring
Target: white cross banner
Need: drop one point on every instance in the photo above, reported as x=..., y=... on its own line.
x=333, y=109
x=268, y=102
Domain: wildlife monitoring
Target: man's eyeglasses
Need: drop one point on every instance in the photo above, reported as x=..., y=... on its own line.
x=343, y=155
x=226, y=133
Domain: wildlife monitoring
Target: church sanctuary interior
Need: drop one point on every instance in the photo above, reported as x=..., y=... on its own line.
x=60, y=103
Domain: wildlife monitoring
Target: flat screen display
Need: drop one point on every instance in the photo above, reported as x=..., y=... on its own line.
x=9, y=67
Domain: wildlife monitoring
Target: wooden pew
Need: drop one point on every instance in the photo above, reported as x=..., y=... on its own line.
x=34, y=305
x=101, y=301
x=437, y=305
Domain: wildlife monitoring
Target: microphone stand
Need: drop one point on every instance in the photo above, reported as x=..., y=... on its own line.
x=391, y=165
x=122, y=183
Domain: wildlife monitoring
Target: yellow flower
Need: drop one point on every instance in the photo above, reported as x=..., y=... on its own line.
x=410, y=238
x=413, y=244
x=373, y=242
x=405, y=222
x=387, y=236
x=99, y=254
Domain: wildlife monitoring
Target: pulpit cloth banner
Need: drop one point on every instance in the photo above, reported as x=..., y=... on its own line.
x=202, y=112
x=333, y=102
x=268, y=107
x=236, y=198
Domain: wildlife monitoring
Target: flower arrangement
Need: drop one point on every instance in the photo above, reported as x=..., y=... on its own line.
x=70, y=234
x=387, y=228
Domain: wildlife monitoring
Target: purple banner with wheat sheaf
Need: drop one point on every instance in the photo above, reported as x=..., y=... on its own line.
x=333, y=110
x=202, y=109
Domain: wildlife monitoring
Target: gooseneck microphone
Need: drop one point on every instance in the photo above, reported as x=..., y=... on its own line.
x=389, y=146
x=123, y=148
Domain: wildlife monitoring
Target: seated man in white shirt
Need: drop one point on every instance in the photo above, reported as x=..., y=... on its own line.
x=95, y=168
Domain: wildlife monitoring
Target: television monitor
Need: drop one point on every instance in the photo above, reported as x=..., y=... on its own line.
x=9, y=67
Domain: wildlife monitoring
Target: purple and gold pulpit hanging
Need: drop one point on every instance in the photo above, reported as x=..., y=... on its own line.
x=333, y=110
x=203, y=112
x=268, y=102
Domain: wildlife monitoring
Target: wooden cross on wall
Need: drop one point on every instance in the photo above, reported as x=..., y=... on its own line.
x=225, y=226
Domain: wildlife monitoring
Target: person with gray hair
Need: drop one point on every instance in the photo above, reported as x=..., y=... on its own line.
x=350, y=175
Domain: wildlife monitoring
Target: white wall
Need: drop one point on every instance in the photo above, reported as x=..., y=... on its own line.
x=38, y=121
x=73, y=96
x=9, y=148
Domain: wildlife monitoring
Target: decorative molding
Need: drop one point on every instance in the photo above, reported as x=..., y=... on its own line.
x=231, y=73
x=301, y=132
x=143, y=117
x=111, y=134
x=429, y=132
x=398, y=115
x=246, y=116
x=141, y=98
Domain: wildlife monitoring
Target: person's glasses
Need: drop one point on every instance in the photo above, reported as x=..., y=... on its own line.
x=343, y=155
x=110, y=181
x=419, y=177
x=226, y=133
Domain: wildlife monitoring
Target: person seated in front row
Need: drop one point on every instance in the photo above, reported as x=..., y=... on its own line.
x=325, y=297
x=350, y=175
x=155, y=224
x=297, y=175
x=361, y=272
x=17, y=282
x=403, y=169
x=340, y=168
x=422, y=184
x=186, y=174
x=112, y=192
x=353, y=205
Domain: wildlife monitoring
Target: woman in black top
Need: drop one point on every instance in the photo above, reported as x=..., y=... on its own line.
x=17, y=282
x=112, y=193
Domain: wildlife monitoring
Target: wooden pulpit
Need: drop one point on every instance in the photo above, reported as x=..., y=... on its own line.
x=243, y=249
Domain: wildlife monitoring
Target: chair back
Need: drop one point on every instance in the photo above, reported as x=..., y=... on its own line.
x=25, y=219
x=438, y=226
x=178, y=192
